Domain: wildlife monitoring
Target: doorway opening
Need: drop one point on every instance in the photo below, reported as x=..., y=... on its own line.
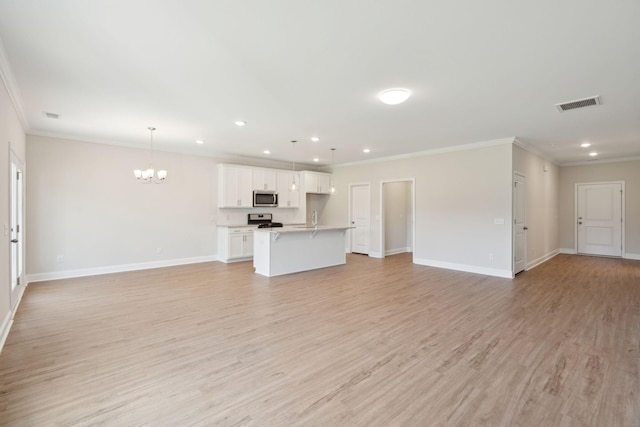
x=519, y=221
x=397, y=219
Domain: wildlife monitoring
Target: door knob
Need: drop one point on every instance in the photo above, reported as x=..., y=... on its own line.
x=579, y=222
x=525, y=228
x=14, y=241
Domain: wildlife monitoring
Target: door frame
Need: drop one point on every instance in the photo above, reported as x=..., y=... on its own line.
x=575, y=213
x=513, y=215
x=16, y=294
x=350, y=213
x=412, y=181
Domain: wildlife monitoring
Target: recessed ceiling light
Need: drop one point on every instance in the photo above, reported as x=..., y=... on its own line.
x=267, y=152
x=315, y=139
x=199, y=141
x=315, y=159
x=593, y=153
x=394, y=96
x=366, y=150
x=240, y=123
x=585, y=144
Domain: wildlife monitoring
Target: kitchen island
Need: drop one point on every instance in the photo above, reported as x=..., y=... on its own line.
x=278, y=251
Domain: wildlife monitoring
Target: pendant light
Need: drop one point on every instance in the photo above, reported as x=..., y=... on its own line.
x=293, y=185
x=148, y=176
x=333, y=154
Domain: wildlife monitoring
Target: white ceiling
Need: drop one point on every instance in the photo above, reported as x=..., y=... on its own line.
x=478, y=70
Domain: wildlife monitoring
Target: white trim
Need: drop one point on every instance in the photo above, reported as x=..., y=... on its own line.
x=543, y=258
x=623, y=226
x=464, y=267
x=376, y=254
x=568, y=251
x=600, y=161
x=462, y=147
x=6, y=327
x=631, y=256
x=396, y=251
x=532, y=150
x=68, y=274
x=12, y=87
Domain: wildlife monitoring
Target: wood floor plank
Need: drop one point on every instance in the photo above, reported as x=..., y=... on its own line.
x=376, y=342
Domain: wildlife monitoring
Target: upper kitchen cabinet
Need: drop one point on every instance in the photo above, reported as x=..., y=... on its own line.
x=286, y=197
x=317, y=182
x=264, y=179
x=235, y=186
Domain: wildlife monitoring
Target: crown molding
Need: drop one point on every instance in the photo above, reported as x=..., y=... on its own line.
x=601, y=161
x=462, y=147
x=534, y=151
x=12, y=87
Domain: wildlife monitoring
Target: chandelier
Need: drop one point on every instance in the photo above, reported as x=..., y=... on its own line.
x=147, y=176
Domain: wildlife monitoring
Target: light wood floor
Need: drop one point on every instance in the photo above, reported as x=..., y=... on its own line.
x=372, y=343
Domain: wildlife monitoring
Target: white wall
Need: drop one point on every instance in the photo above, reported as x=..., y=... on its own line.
x=542, y=204
x=84, y=204
x=458, y=196
x=12, y=136
x=629, y=172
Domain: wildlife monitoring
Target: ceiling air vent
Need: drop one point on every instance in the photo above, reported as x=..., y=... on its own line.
x=580, y=103
x=49, y=115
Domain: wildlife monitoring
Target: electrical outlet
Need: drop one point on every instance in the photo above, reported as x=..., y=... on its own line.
x=60, y=258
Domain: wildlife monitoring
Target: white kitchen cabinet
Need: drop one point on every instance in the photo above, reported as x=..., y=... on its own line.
x=286, y=197
x=264, y=179
x=317, y=182
x=235, y=243
x=235, y=186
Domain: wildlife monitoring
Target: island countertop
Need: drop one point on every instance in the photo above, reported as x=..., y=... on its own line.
x=301, y=228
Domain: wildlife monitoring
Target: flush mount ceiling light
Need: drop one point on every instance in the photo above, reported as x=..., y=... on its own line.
x=315, y=159
x=585, y=144
x=148, y=176
x=366, y=150
x=315, y=139
x=240, y=123
x=593, y=153
x=267, y=152
x=394, y=96
x=199, y=141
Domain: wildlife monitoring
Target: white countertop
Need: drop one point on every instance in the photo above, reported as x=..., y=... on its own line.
x=301, y=228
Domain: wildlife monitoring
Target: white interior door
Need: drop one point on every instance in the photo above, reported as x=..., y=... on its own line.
x=360, y=218
x=16, y=228
x=519, y=223
x=599, y=222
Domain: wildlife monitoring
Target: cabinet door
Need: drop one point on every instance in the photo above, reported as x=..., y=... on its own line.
x=236, y=244
x=264, y=179
x=324, y=183
x=248, y=244
x=310, y=182
x=286, y=197
x=234, y=187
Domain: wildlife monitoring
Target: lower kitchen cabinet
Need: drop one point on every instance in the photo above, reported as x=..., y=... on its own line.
x=235, y=243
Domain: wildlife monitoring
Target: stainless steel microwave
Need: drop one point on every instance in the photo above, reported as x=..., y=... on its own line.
x=265, y=198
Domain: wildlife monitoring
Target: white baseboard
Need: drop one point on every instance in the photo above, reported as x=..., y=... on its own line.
x=396, y=251
x=464, y=267
x=68, y=274
x=376, y=255
x=543, y=258
x=631, y=256
x=6, y=327
x=567, y=251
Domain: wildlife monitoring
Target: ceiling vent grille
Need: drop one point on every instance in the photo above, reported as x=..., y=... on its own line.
x=51, y=115
x=580, y=103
